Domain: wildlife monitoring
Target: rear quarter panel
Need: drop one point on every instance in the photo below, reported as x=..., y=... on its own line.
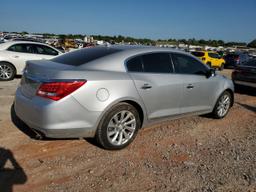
x=104, y=89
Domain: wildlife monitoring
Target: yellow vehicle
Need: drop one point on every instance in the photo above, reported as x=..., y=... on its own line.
x=210, y=58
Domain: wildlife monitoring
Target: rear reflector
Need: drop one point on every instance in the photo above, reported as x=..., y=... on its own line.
x=58, y=90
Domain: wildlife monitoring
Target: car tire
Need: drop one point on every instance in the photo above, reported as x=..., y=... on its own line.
x=7, y=71
x=209, y=64
x=118, y=127
x=222, y=105
x=221, y=67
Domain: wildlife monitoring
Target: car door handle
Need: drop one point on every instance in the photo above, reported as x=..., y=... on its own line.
x=15, y=56
x=146, y=86
x=190, y=86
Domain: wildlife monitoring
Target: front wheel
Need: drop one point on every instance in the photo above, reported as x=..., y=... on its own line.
x=7, y=71
x=222, y=106
x=118, y=127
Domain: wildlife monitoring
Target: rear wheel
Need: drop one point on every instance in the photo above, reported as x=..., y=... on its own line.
x=7, y=71
x=222, y=106
x=118, y=127
x=209, y=64
x=221, y=67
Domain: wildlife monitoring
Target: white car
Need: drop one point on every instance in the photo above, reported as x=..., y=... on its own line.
x=14, y=54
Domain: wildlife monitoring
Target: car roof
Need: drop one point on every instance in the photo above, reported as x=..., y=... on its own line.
x=114, y=62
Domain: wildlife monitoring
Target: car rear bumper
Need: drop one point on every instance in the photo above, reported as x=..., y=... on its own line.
x=63, y=119
x=245, y=83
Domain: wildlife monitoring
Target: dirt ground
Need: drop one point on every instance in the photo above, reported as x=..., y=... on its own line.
x=198, y=154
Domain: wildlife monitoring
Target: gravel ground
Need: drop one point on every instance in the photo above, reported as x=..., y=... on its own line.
x=196, y=154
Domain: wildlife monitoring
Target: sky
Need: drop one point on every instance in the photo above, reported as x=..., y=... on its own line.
x=228, y=20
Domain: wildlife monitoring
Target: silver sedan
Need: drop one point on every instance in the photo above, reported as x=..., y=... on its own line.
x=111, y=92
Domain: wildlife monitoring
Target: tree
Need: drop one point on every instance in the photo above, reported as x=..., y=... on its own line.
x=252, y=44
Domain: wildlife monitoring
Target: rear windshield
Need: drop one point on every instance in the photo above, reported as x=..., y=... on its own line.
x=85, y=55
x=198, y=54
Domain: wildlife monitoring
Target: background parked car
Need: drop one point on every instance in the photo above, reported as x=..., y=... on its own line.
x=112, y=92
x=234, y=59
x=14, y=54
x=245, y=74
x=212, y=59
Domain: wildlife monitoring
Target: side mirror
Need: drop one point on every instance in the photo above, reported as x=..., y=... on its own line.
x=210, y=73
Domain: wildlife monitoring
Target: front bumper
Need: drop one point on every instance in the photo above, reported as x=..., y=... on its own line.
x=62, y=119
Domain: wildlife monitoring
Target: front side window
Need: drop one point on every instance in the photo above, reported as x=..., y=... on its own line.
x=185, y=64
x=45, y=50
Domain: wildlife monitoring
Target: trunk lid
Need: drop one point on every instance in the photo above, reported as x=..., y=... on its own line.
x=40, y=71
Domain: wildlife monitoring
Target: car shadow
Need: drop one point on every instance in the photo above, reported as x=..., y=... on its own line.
x=244, y=90
x=11, y=172
x=248, y=107
x=18, y=76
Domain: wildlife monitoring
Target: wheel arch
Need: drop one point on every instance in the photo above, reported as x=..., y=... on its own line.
x=137, y=107
x=232, y=95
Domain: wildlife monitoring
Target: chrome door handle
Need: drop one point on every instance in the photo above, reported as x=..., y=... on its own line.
x=146, y=86
x=190, y=86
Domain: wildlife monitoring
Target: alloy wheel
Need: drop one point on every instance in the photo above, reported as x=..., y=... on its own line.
x=223, y=105
x=6, y=72
x=121, y=128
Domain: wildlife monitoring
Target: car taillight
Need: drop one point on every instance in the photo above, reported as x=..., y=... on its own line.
x=58, y=90
x=203, y=58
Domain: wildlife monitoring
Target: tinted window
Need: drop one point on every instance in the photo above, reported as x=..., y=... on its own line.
x=23, y=48
x=85, y=55
x=157, y=63
x=41, y=49
x=214, y=55
x=197, y=54
x=188, y=65
x=134, y=65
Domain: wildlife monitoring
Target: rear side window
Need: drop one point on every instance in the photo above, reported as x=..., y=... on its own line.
x=157, y=63
x=22, y=48
x=187, y=65
x=135, y=65
x=151, y=63
x=197, y=54
x=82, y=56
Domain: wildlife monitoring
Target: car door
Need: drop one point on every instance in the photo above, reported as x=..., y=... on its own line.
x=19, y=53
x=198, y=89
x=158, y=87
